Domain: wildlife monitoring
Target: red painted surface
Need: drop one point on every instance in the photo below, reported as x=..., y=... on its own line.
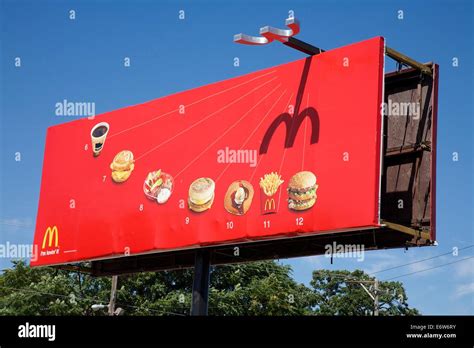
x=98, y=218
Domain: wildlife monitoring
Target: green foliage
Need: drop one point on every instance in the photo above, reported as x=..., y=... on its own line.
x=26, y=291
x=341, y=293
x=259, y=288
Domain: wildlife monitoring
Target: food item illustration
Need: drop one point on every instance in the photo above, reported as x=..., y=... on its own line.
x=98, y=134
x=269, y=186
x=158, y=186
x=238, y=197
x=201, y=194
x=302, y=191
x=122, y=166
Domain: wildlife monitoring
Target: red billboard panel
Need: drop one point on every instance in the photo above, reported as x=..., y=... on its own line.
x=293, y=149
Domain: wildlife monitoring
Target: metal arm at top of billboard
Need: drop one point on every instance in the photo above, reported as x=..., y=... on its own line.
x=285, y=36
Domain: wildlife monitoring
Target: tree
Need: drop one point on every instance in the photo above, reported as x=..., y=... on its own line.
x=26, y=291
x=340, y=293
x=258, y=288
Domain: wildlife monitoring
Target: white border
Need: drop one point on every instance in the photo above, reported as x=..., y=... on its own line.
x=381, y=162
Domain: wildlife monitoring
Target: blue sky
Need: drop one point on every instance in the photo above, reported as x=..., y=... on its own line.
x=82, y=60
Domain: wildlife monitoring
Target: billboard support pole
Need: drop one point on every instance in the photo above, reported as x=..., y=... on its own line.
x=202, y=264
x=376, y=297
x=113, y=295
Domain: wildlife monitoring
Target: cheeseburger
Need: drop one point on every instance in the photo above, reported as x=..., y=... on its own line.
x=302, y=191
x=122, y=166
x=201, y=194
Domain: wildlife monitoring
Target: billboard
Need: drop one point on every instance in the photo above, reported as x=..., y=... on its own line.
x=290, y=150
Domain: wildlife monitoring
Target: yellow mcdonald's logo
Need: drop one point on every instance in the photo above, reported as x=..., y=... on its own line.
x=270, y=204
x=51, y=233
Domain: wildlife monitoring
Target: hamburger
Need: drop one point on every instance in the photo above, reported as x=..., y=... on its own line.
x=302, y=191
x=122, y=166
x=238, y=197
x=201, y=194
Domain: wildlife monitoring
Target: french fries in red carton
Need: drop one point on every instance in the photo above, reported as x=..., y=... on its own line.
x=270, y=186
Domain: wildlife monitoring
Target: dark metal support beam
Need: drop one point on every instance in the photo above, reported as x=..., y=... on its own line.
x=201, y=282
x=390, y=52
x=303, y=46
x=74, y=268
x=400, y=57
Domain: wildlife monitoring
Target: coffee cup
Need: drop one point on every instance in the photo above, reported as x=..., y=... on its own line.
x=98, y=134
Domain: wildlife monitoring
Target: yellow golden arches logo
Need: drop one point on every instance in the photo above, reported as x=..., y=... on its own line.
x=52, y=233
x=270, y=204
